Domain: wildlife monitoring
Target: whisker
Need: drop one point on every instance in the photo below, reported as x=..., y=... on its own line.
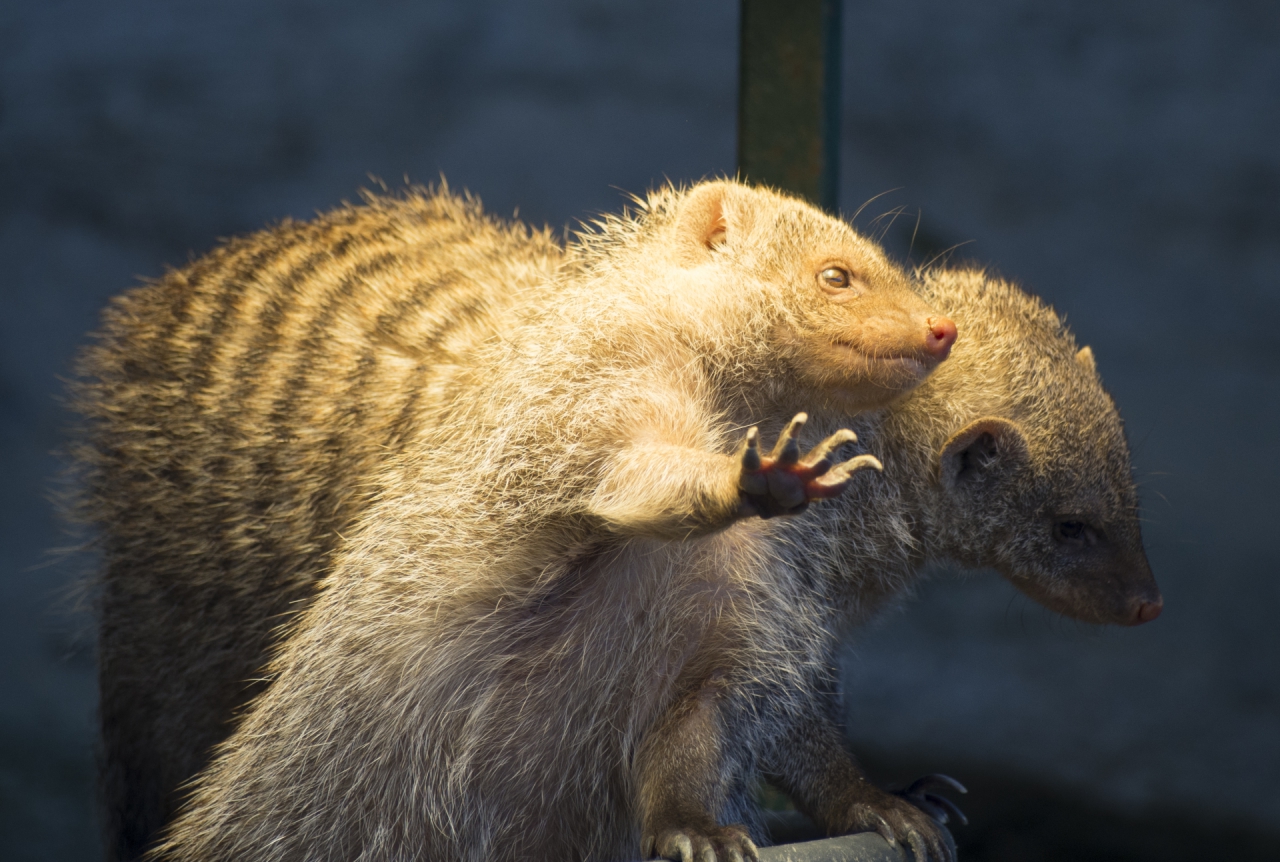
x=858, y=212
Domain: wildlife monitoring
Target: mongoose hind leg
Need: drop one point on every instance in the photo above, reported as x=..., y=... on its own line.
x=810, y=763
x=682, y=775
x=782, y=484
x=898, y=821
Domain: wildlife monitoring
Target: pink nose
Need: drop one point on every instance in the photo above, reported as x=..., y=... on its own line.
x=942, y=334
x=1148, y=611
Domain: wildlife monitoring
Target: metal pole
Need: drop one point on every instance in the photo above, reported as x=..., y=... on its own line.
x=795, y=833
x=864, y=847
x=789, y=97
x=789, y=138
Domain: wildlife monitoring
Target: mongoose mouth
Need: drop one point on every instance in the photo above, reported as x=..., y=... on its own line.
x=939, y=336
x=915, y=362
x=1103, y=599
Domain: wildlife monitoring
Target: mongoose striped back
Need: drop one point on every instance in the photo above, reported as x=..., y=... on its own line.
x=287, y=362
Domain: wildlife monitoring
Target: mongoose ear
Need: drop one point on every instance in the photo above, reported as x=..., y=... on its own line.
x=1085, y=357
x=702, y=222
x=987, y=447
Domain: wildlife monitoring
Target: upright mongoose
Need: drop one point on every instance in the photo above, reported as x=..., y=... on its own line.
x=626, y=696
x=247, y=410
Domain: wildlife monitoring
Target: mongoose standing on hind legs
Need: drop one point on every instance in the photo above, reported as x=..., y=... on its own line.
x=248, y=409
x=596, y=709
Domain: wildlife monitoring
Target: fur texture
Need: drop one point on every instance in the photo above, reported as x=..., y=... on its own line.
x=542, y=712
x=534, y=422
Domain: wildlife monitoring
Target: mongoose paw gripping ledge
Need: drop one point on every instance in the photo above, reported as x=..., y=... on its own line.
x=911, y=819
x=780, y=483
x=716, y=844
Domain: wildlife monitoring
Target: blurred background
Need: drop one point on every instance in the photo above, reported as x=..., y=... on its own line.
x=1120, y=160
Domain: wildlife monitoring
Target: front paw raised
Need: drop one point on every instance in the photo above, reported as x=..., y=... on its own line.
x=897, y=819
x=780, y=483
x=701, y=844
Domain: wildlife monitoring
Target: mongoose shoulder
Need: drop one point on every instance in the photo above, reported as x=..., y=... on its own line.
x=551, y=717
x=247, y=411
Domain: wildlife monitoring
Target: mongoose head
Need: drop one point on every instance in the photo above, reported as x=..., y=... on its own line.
x=1030, y=461
x=841, y=323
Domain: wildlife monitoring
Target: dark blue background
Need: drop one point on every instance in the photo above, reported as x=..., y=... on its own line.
x=1121, y=160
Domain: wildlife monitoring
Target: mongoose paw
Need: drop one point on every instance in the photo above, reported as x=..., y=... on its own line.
x=781, y=483
x=711, y=844
x=901, y=822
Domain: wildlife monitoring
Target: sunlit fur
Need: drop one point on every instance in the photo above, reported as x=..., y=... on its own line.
x=479, y=681
x=236, y=409
x=465, y=428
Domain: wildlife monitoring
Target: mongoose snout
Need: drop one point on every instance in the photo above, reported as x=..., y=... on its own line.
x=940, y=336
x=1115, y=590
x=874, y=346
x=1148, y=611
x=925, y=341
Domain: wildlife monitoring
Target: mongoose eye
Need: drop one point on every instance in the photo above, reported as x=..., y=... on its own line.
x=1073, y=533
x=834, y=276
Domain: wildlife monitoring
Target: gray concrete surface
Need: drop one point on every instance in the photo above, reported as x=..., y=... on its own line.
x=1119, y=159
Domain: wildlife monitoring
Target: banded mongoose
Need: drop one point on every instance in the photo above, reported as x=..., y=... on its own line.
x=246, y=412
x=593, y=711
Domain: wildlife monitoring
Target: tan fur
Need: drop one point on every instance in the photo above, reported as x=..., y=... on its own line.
x=529, y=422
x=418, y=712
x=237, y=409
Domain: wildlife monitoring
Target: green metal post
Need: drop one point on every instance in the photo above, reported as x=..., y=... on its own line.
x=789, y=97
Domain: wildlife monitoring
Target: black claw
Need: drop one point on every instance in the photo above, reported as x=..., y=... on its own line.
x=929, y=806
x=930, y=782
x=751, y=456
x=950, y=807
x=936, y=806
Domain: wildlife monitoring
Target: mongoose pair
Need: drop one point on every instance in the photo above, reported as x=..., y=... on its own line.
x=517, y=684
